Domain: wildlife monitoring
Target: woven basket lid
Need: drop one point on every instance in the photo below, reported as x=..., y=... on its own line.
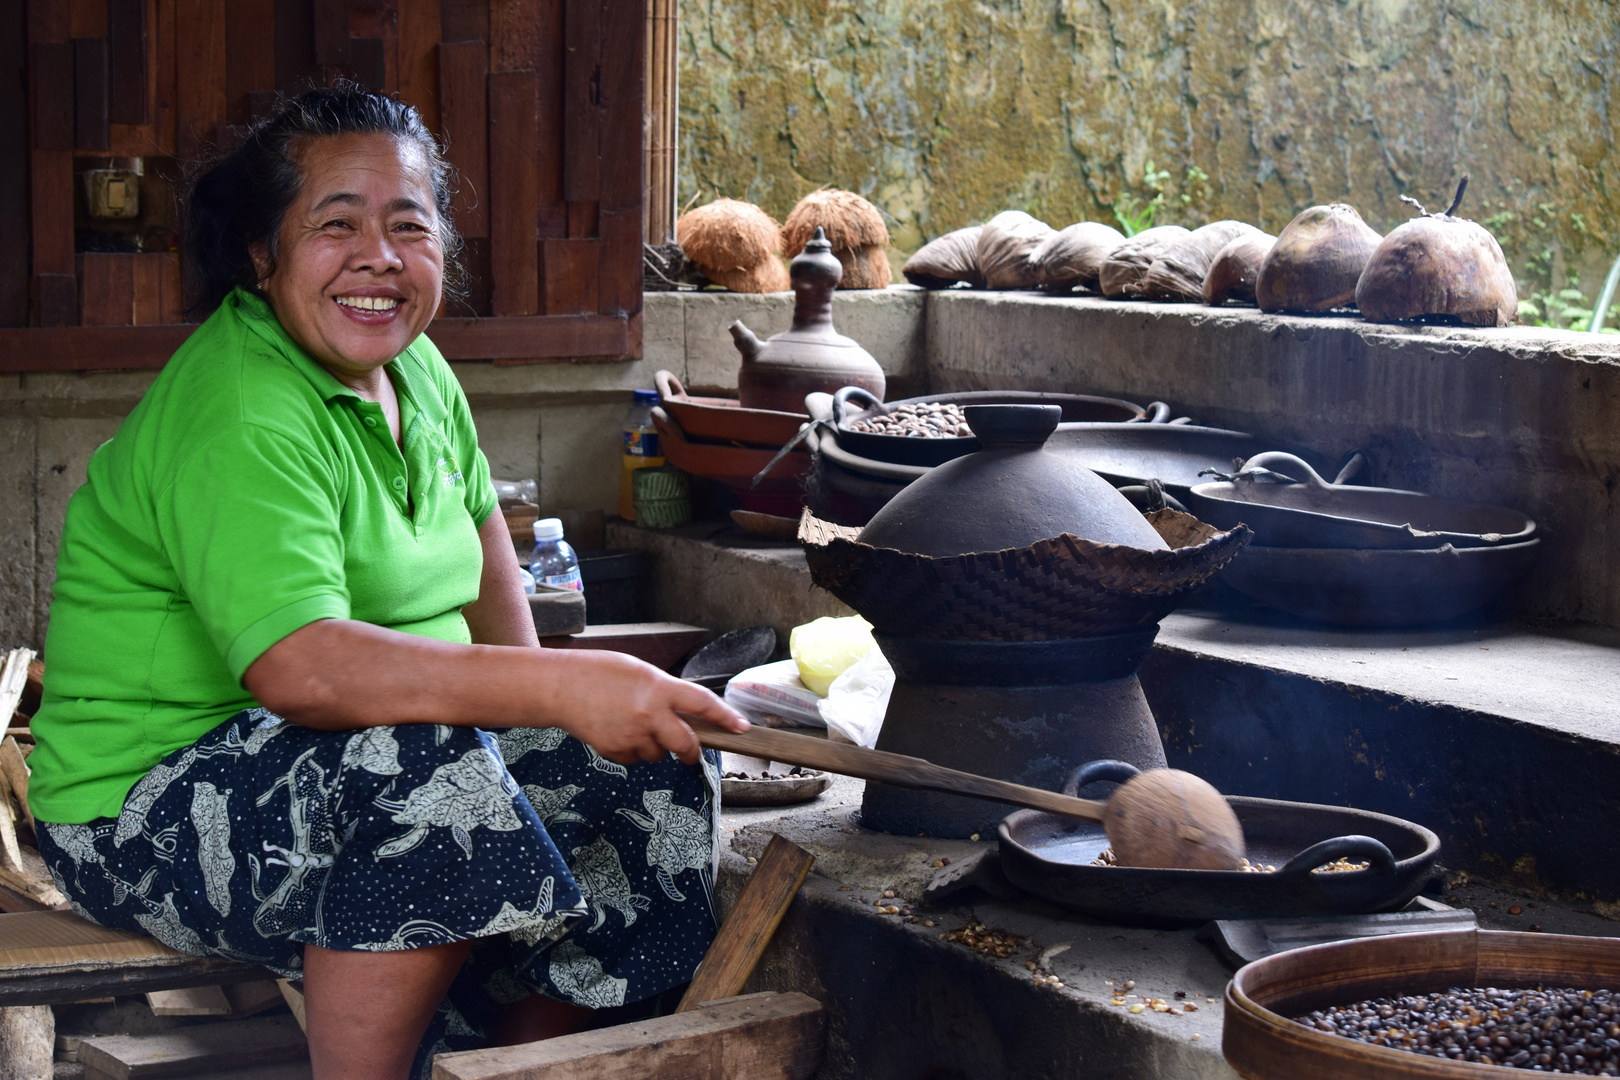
x=1011, y=494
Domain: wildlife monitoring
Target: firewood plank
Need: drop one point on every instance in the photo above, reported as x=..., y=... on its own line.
x=204, y=1049
x=771, y=887
x=90, y=93
x=27, y=1041
x=514, y=108
x=15, y=770
x=760, y=1037
x=194, y=1001
x=127, y=44
x=463, y=69
x=200, y=73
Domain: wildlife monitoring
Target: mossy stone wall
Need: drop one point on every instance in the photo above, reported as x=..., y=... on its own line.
x=944, y=112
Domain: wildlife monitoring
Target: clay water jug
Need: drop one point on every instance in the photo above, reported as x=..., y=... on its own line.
x=810, y=357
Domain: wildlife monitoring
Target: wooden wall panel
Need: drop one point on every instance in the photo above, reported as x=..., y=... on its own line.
x=107, y=289
x=419, y=28
x=582, y=106
x=514, y=111
x=619, y=282
x=620, y=138
x=331, y=32
x=164, y=81
x=90, y=103
x=50, y=70
x=515, y=32
x=51, y=191
x=86, y=18
x=463, y=104
x=463, y=20
x=127, y=44
x=368, y=60
x=250, y=56
x=550, y=65
x=296, y=69
x=200, y=61
x=570, y=280
x=14, y=153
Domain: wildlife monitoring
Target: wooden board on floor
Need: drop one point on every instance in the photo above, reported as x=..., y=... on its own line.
x=771, y=887
x=196, y=1001
x=757, y=1037
x=204, y=1049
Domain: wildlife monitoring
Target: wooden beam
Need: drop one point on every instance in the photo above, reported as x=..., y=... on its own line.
x=758, y=1037
x=464, y=116
x=515, y=339
x=198, y=1050
x=514, y=113
x=771, y=887
x=90, y=94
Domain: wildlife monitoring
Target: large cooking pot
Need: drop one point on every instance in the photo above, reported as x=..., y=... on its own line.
x=1288, y=505
x=1051, y=856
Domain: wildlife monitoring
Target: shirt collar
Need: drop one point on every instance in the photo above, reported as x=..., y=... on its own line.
x=408, y=367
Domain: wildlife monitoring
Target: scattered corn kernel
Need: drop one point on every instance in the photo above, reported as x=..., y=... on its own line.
x=1138, y=1007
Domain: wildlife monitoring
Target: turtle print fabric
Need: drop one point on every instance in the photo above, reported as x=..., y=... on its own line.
x=594, y=881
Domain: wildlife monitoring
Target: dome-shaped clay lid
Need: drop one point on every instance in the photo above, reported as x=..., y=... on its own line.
x=1011, y=494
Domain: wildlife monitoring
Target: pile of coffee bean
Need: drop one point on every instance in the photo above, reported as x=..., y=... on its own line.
x=922, y=420
x=1543, y=1030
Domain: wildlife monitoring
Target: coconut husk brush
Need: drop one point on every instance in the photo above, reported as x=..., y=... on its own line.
x=854, y=228
x=1439, y=265
x=947, y=260
x=1316, y=261
x=1072, y=258
x=735, y=244
x=1236, y=269
x=1005, y=247
x=1177, y=274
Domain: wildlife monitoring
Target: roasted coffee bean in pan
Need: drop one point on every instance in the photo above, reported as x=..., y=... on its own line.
x=921, y=420
x=1543, y=1030
x=1337, y=866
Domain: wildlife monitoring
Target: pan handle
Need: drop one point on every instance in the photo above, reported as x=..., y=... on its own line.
x=1092, y=771
x=668, y=386
x=841, y=401
x=1157, y=413
x=1354, y=848
x=1286, y=465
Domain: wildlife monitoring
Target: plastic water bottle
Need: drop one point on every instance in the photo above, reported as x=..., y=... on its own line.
x=641, y=450
x=553, y=561
x=528, y=581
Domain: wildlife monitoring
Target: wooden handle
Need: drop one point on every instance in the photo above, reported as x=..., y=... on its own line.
x=897, y=769
x=754, y=918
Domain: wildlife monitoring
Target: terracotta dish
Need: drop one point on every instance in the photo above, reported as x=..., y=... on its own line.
x=724, y=420
x=780, y=493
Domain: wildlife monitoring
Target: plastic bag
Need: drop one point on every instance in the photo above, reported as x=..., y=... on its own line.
x=773, y=696
x=855, y=704
x=826, y=647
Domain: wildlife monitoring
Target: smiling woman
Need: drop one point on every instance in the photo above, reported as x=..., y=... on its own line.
x=285, y=607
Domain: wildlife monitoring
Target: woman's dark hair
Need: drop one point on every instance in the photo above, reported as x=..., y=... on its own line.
x=239, y=199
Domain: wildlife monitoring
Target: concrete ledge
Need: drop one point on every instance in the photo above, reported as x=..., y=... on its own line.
x=1503, y=739
x=1519, y=416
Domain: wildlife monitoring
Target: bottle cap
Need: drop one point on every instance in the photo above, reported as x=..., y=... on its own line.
x=646, y=397
x=548, y=529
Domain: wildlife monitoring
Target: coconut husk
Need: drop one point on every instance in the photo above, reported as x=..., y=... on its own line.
x=1072, y=258
x=1439, y=265
x=768, y=276
x=946, y=260
x=850, y=222
x=730, y=239
x=1127, y=263
x=865, y=268
x=1059, y=588
x=1316, y=261
x=1005, y=247
x=1236, y=268
x=1177, y=275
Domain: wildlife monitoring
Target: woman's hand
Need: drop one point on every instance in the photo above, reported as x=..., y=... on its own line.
x=627, y=710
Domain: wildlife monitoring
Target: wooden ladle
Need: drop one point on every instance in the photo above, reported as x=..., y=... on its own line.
x=1162, y=818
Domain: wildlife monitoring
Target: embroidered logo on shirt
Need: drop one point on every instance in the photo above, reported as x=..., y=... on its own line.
x=450, y=471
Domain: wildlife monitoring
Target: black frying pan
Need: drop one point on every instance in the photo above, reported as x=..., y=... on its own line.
x=1050, y=856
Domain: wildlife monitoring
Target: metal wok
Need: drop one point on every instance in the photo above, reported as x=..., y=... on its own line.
x=1288, y=505
x=1050, y=856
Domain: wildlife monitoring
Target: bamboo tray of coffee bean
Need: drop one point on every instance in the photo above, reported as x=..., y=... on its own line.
x=1267, y=1003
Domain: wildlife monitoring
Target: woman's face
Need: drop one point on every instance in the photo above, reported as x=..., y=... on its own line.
x=359, y=263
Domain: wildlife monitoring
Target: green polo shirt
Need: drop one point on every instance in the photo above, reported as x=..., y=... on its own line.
x=249, y=494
